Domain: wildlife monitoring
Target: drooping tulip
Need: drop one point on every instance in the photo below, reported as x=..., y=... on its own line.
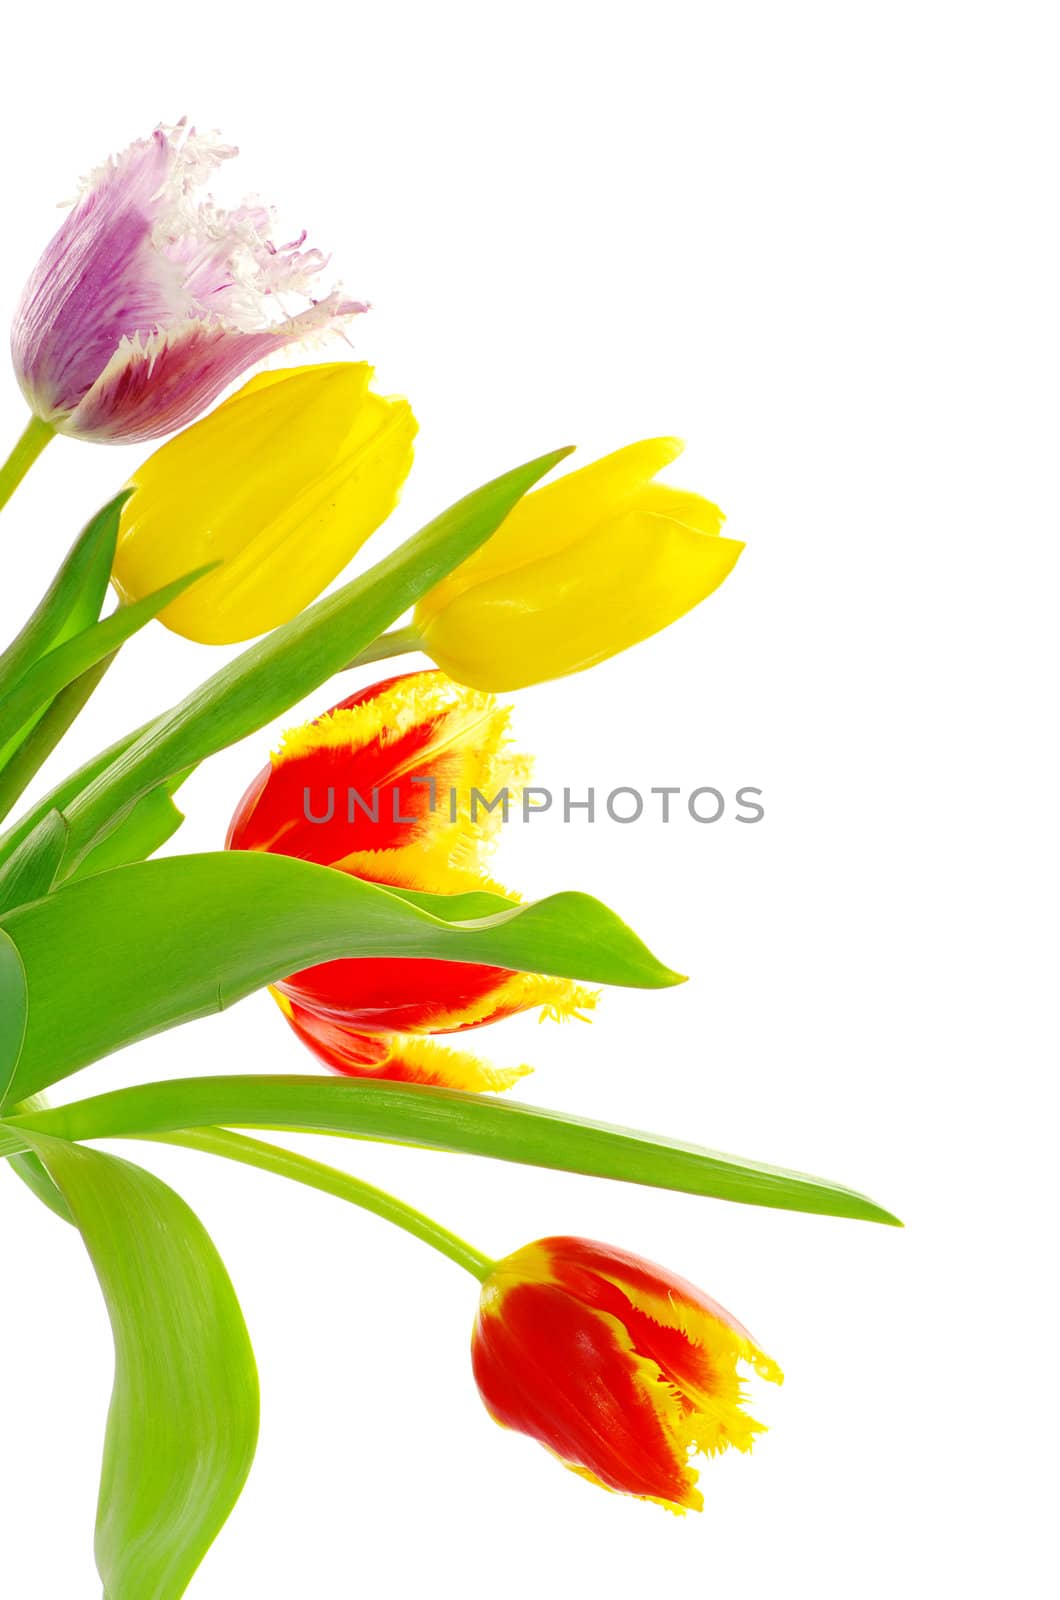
x=384, y=786
x=148, y=301
x=282, y=484
x=621, y=1368
x=581, y=569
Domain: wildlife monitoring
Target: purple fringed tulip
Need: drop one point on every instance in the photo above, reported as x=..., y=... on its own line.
x=149, y=301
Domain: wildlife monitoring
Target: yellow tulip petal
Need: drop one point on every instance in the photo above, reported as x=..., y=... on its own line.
x=266, y=379
x=681, y=505
x=555, y=517
x=282, y=484
x=626, y=581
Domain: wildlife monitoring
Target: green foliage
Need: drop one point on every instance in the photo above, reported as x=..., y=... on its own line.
x=127, y=953
x=75, y=598
x=183, y=1418
x=443, y=1119
x=289, y=663
x=31, y=871
x=13, y=1011
x=153, y=820
x=65, y=663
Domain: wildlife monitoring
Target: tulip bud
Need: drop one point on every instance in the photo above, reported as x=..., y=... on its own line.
x=282, y=483
x=383, y=787
x=148, y=303
x=622, y=1369
x=581, y=569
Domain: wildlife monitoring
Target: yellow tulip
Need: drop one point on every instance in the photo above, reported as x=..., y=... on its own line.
x=581, y=569
x=282, y=484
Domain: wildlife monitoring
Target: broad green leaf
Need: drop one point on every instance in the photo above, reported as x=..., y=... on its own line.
x=441, y=1119
x=127, y=953
x=153, y=819
x=67, y=662
x=31, y=871
x=263, y=681
x=14, y=1006
x=75, y=598
x=37, y=744
x=183, y=1418
x=456, y=907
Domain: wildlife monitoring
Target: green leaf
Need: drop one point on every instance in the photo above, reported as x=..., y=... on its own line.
x=29, y=1167
x=31, y=871
x=456, y=907
x=183, y=1418
x=67, y=662
x=72, y=604
x=295, y=659
x=38, y=742
x=14, y=1009
x=152, y=821
x=34, y=1175
x=442, y=1119
x=127, y=953
x=75, y=597
x=87, y=596
x=59, y=798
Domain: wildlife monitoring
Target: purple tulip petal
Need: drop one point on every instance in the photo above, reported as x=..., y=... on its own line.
x=156, y=385
x=149, y=300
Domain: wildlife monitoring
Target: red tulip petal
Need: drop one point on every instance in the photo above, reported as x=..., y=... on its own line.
x=392, y=1056
x=568, y=1377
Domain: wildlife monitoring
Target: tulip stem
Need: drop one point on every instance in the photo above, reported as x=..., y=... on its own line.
x=288, y=1164
x=398, y=642
x=35, y=436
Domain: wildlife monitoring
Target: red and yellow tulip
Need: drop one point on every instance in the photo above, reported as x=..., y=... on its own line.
x=622, y=1369
x=382, y=787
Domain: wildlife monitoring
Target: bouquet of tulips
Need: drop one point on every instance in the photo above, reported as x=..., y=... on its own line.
x=353, y=880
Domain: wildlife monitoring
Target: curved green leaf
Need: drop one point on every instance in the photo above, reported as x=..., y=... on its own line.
x=72, y=604
x=152, y=821
x=38, y=742
x=441, y=1119
x=65, y=663
x=34, y=1175
x=58, y=798
x=31, y=871
x=29, y=1167
x=456, y=907
x=127, y=953
x=183, y=1416
x=75, y=597
x=295, y=659
x=14, y=1008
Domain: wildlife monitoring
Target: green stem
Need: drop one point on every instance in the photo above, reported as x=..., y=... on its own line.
x=35, y=436
x=286, y=1164
x=398, y=642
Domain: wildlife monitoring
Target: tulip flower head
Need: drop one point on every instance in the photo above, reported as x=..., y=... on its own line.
x=582, y=568
x=620, y=1368
x=282, y=483
x=148, y=302
x=383, y=787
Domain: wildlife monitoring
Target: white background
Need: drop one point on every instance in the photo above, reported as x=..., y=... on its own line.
x=819, y=242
